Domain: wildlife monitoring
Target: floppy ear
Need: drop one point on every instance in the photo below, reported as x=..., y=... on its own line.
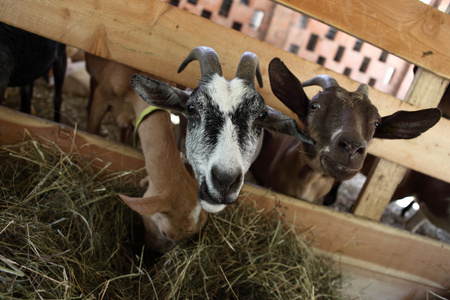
x=159, y=94
x=279, y=122
x=146, y=206
x=286, y=87
x=407, y=124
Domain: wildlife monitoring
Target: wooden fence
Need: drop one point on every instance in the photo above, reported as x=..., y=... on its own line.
x=155, y=37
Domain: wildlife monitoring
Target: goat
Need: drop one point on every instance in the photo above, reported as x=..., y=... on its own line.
x=225, y=120
x=432, y=194
x=116, y=98
x=342, y=123
x=170, y=207
x=24, y=57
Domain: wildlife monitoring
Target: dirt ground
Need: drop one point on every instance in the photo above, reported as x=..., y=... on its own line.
x=74, y=113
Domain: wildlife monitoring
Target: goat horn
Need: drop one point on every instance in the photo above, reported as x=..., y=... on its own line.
x=363, y=89
x=208, y=59
x=249, y=67
x=324, y=81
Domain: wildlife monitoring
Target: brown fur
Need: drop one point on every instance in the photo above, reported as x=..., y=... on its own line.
x=342, y=128
x=170, y=203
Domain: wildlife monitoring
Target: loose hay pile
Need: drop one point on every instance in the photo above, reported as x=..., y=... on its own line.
x=65, y=234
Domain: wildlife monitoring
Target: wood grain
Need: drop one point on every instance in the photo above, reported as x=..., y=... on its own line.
x=111, y=156
x=378, y=189
x=365, y=244
x=409, y=29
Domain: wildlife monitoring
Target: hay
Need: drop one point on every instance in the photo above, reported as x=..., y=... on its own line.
x=64, y=234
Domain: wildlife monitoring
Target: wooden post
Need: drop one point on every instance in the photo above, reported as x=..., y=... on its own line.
x=425, y=91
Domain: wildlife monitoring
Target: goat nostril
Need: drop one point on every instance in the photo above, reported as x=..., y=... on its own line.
x=361, y=150
x=224, y=181
x=352, y=146
x=343, y=144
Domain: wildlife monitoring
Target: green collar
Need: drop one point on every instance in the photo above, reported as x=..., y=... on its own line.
x=146, y=112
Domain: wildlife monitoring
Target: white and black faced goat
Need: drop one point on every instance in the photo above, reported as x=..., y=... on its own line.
x=225, y=121
x=342, y=123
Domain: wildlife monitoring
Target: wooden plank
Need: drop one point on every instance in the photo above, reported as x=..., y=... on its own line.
x=420, y=263
x=425, y=91
x=113, y=156
x=155, y=37
x=378, y=189
x=409, y=29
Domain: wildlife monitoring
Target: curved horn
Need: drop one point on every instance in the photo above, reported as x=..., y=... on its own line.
x=208, y=59
x=324, y=81
x=363, y=89
x=249, y=67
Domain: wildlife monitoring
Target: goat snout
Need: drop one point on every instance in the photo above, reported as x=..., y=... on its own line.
x=352, y=145
x=225, y=182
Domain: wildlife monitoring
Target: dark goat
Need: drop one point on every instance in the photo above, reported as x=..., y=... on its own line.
x=24, y=57
x=432, y=194
x=342, y=123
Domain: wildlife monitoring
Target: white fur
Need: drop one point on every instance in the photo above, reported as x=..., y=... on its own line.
x=226, y=94
x=195, y=214
x=212, y=208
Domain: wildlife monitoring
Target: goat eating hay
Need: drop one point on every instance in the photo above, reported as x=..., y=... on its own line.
x=64, y=234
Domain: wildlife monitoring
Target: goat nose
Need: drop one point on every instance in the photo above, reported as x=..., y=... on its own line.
x=352, y=145
x=225, y=181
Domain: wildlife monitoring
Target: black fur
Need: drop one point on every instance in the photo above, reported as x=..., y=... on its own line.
x=24, y=57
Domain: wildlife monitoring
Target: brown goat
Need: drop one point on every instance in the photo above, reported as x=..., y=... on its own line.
x=170, y=207
x=342, y=123
x=116, y=98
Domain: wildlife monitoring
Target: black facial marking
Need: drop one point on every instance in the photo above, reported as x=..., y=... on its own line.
x=214, y=122
x=246, y=118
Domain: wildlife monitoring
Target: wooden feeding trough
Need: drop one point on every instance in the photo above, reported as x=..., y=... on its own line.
x=384, y=263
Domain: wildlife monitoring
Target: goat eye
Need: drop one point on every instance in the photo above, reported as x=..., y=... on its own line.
x=191, y=109
x=376, y=123
x=262, y=115
x=315, y=106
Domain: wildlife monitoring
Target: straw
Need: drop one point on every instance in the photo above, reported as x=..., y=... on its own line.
x=65, y=234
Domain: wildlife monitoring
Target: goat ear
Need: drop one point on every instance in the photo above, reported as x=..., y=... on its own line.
x=286, y=87
x=146, y=206
x=279, y=122
x=407, y=124
x=159, y=94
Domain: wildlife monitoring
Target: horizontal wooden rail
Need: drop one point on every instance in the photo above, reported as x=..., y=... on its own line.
x=156, y=37
x=364, y=244
x=111, y=156
x=409, y=29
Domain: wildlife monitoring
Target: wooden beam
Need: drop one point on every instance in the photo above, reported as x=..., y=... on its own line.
x=412, y=30
x=381, y=183
x=156, y=37
x=111, y=156
x=365, y=245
